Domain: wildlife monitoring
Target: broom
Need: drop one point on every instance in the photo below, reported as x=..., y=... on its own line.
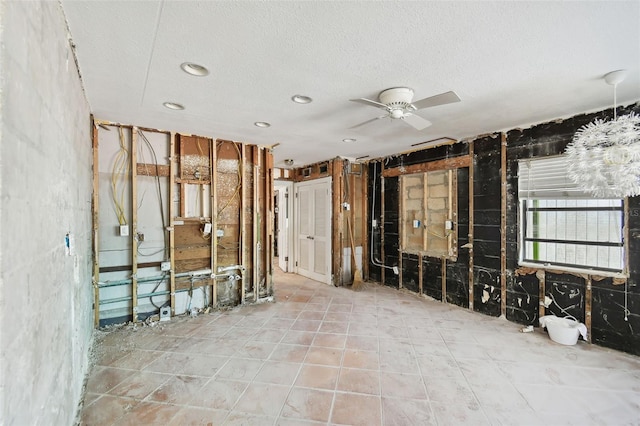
x=357, y=274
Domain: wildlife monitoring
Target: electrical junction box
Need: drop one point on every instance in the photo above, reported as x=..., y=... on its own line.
x=165, y=313
x=207, y=228
x=448, y=225
x=165, y=266
x=416, y=224
x=220, y=233
x=124, y=230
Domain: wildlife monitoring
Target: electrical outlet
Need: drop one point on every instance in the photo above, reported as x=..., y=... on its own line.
x=207, y=228
x=448, y=225
x=416, y=224
x=374, y=223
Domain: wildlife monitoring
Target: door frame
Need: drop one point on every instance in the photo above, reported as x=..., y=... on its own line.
x=326, y=181
x=286, y=224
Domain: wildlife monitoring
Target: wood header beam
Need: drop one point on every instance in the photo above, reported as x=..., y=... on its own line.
x=445, y=164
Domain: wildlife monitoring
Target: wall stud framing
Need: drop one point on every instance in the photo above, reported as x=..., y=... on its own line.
x=269, y=222
x=213, y=194
x=420, y=270
x=588, y=298
x=95, y=227
x=172, y=214
x=443, y=277
x=134, y=223
x=382, y=258
x=337, y=221
x=401, y=229
x=254, y=221
x=540, y=274
x=471, y=219
x=503, y=225
x=243, y=221
x=365, y=222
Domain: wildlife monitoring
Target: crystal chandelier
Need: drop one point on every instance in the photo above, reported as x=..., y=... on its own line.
x=604, y=156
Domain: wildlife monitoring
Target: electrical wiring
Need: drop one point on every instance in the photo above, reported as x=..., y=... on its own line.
x=375, y=261
x=160, y=200
x=162, y=278
x=120, y=168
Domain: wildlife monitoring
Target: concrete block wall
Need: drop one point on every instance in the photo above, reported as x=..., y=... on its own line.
x=45, y=191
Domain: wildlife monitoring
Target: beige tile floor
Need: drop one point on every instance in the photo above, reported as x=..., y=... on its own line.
x=326, y=355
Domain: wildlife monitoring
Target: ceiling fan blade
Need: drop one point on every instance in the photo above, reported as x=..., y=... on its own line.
x=441, y=99
x=369, y=102
x=369, y=121
x=416, y=121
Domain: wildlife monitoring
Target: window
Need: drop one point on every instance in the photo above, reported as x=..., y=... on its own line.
x=564, y=227
x=429, y=213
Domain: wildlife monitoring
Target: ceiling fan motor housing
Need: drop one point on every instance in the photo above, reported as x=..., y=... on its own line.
x=397, y=99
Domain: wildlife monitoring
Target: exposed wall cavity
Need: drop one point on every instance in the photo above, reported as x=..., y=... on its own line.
x=45, y=276
x=486, y=276
x=182, y=223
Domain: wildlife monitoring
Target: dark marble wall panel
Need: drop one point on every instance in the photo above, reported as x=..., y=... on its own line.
x=410, y=272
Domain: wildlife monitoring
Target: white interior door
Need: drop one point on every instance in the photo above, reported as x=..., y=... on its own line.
x=313, y=229
x=285, y=217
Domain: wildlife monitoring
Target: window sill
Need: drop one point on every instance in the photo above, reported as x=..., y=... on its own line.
x=557, y=268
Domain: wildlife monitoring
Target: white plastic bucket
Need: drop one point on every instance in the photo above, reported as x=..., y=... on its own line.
x=563, y=330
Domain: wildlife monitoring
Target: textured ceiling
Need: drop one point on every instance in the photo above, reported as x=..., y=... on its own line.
x=513, y=64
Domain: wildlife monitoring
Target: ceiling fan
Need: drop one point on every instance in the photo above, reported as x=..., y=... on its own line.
x=397, y=103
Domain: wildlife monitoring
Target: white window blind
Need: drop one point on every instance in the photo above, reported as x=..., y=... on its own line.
x=547, y=178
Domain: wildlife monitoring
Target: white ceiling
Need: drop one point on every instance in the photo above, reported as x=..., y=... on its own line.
x=512, y=63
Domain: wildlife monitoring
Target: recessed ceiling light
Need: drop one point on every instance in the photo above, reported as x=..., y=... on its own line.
x=262, y=124
x=194, y=69
x=173, y=105
x=348, y=140
x=301, y=99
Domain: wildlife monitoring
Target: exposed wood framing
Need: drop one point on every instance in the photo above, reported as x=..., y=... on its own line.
x=128, y=267
x=242, y=228
x=95, y=226
x=444, y=164
x=443, y=275
x=420, y=268
x=143, y=169
x=381, y=224
x=425, y=209
x=172, y=235
x=257, y=247
x=540, y=274
x=213, y=161
x=129, y=126
x=403, y=223
x=268, y=168
x=503, y=225
x=183, y=185
x=588, y=299
x=134, y=223
x=470, y=235
x=338, y=221
x=365, y=222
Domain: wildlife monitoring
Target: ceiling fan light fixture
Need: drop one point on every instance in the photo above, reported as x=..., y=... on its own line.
x=174, y=106
x=288, y=162
x=194, y=69
x=301, y=99
x=262, y=124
